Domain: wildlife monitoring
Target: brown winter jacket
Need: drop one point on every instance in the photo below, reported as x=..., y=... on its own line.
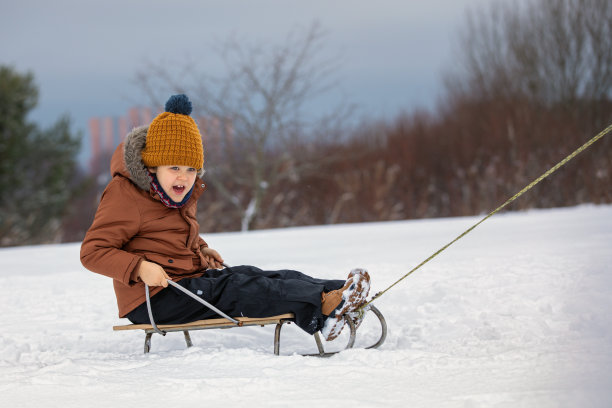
x=132, y=224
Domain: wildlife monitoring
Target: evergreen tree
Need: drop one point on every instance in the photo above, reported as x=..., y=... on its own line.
x=36, y=165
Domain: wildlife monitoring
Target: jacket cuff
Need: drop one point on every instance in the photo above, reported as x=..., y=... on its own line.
x=134, y=278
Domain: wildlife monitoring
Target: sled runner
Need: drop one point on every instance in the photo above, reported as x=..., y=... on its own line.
x=228, y=322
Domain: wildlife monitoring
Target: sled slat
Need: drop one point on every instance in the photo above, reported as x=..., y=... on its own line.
x=209, y=323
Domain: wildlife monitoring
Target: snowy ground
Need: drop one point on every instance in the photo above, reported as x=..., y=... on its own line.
x=516, y=314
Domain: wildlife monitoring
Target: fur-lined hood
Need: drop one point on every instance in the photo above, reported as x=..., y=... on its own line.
x=127, y=159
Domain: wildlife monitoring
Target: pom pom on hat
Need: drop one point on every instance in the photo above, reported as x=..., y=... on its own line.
x=173, y=137
x=179, y=104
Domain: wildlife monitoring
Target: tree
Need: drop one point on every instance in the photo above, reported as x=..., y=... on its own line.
x=35, y=165
x=534, y=82
x=554, y=53
x=259, y=107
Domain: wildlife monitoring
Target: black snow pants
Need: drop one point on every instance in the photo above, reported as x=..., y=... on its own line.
x=242, y=291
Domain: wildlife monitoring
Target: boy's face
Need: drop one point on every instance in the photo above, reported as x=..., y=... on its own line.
x=175, y=180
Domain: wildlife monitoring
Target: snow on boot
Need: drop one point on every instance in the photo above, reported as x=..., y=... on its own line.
x=357, y=316
x=354, y=294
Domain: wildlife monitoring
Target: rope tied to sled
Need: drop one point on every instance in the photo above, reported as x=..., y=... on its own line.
x=550, y=171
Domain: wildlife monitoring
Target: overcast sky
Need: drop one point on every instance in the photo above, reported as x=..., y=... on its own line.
x=85, y=54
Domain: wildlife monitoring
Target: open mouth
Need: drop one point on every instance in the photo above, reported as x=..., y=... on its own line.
x=178, y=189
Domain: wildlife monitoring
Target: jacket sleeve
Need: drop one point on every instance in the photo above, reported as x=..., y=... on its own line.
x=202, y=243
x=116, y=221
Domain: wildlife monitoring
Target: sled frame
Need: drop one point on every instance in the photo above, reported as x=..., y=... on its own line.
x=279, y=321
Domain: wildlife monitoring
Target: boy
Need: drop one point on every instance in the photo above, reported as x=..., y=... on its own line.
x=145, y=231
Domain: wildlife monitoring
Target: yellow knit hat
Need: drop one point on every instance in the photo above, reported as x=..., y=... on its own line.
x=173, y=137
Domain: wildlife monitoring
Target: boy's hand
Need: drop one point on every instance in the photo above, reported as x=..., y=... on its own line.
x=152, y=274
x=212, y=257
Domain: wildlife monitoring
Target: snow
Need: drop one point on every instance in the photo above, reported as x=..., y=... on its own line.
x=516, y=314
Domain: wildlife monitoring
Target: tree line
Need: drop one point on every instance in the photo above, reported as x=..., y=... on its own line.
x=531, y=82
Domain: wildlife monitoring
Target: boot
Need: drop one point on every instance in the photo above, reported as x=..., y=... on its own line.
x=341, y=301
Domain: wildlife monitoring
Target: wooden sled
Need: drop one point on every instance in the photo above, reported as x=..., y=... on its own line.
x=279, y=321
x=205, y=325
x=229, y=322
